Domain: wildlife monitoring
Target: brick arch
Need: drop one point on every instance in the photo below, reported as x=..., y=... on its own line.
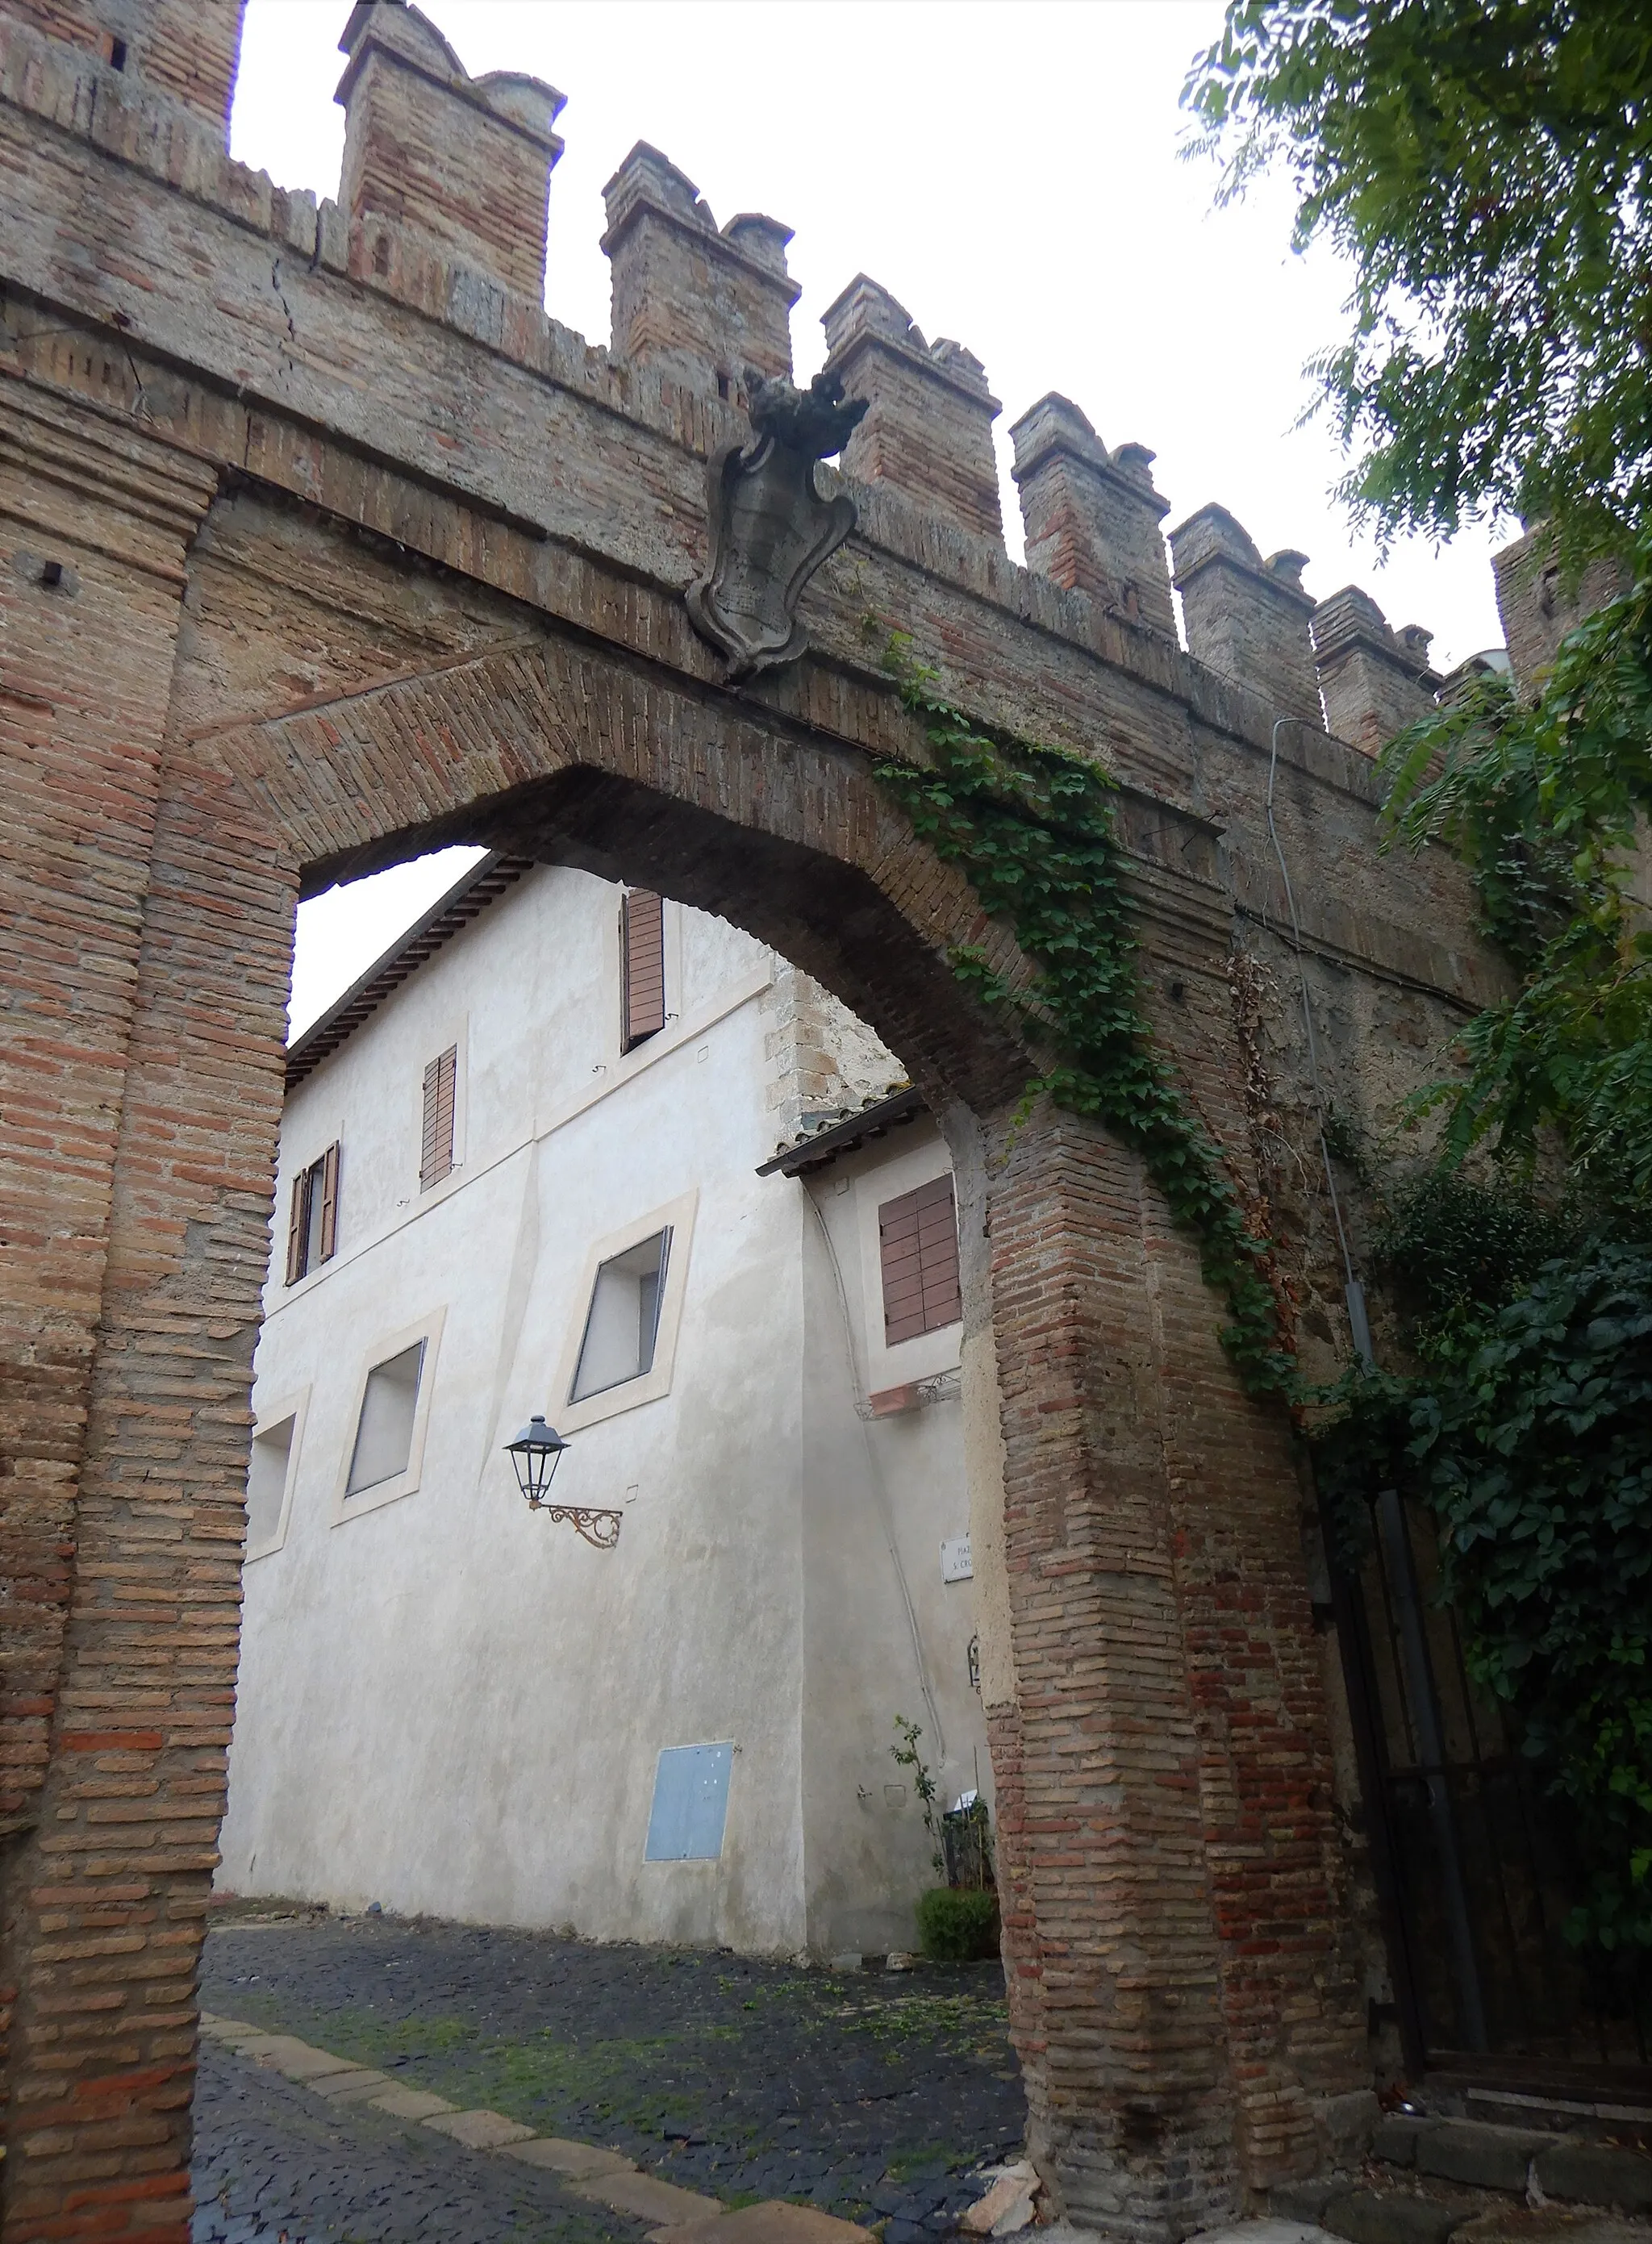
x=554, y=751
x=1180, y=1994
x=1179, y=1991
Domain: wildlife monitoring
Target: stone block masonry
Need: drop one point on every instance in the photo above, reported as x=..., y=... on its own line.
x=323, y=544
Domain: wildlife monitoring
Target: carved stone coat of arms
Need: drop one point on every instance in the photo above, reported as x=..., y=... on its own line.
x=770, y=528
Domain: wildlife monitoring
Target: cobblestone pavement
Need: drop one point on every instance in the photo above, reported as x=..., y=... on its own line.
x=874, y=2095
x=275, y=2164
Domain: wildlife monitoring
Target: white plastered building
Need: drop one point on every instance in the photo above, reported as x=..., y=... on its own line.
x=529, y=1165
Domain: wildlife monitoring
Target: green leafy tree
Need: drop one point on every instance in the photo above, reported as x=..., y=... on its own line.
x=1486, y=168
x=1548, y=803
x=1529, y=1436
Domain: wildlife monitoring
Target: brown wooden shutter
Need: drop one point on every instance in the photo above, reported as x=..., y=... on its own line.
x=296, y=1227
x=918, y=1244
x=436, y=1150
x=642, y=950
x=328, y=1166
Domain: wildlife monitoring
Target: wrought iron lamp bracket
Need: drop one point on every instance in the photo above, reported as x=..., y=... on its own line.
x=601, y=1529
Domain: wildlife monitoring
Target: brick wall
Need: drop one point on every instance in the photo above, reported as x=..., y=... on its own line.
x=1092, y=517
x=1539, y=601
x=703, y=303
x=1246, y=618
x=97, y=521
x=927, y=430
x=464, y=162
x=188, y=49
x=398, y=626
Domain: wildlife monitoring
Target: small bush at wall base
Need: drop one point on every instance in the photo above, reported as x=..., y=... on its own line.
x=957, y=1924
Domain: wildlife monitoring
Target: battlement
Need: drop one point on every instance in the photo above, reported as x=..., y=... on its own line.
x=443, y=209
x=1373, y=680
x=464, y=162
x=1092, y=517
x=687, y=295
x=185, y=50
x=1246, y=617
x=929, y=425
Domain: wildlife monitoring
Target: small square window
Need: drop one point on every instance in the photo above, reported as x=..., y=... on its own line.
x=267, y=1472
x=623, y=1323
x=385, y=1432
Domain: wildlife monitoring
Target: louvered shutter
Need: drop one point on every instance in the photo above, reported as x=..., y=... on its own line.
x=642, y=950
x=917, y=1245
x=436, y=1149
x=328, y=1166
x=297, y=1227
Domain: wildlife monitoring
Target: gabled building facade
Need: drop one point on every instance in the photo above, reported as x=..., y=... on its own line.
x=529, y=1164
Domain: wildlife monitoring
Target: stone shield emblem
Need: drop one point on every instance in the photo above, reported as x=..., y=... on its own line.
x=769, y=527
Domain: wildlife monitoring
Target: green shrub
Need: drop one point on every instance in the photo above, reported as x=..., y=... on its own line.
x=957, y=1924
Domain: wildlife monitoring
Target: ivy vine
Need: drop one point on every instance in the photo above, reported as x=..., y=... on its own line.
x=1524, y=1284
x=1032, y=829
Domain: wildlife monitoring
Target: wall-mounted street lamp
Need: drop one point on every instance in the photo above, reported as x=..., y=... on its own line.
x=536, y=1453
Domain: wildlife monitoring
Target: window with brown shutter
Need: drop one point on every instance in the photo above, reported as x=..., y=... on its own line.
x=312, y=1220
x=642, y=956
x=435, y=1148
x=917, y=1241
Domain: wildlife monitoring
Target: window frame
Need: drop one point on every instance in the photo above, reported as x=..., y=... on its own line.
x=632, y=1039
x=429, y=1180
x=322, y=1173
x=346, y=1507
x=880, y=1208
x=294, y=1405
x=677, y=1216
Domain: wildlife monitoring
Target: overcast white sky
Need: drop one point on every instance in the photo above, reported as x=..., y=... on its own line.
x=1008, y=168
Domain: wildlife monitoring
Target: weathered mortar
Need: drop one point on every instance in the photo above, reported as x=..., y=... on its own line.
x=359, y=553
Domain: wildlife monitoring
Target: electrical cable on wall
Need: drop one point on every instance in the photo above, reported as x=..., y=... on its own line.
x=1353, y=1291
x=858, y=1389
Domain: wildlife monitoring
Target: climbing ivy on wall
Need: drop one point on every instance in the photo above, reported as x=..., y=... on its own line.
x=1524, y=1289
x=1032, y=829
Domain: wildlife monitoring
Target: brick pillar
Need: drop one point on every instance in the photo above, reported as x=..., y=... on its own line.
x=1246, y=618
x=1092, y=515
x=695, y=301
x=89, y=610
x=1372, y=680
x=114, y=1887
x=188, y=49
x=1539, y=604
x=460, y=163
x=1179, y=1992
x=929, y=432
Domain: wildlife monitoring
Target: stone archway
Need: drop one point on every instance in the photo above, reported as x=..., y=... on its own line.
x=1180, y=2018
x=325, y=545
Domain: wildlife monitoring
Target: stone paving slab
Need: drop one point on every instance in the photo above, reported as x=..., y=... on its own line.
x=404, y=2102
x=479, y=2130
x=345, y=2088
x=659, y=2203
x=775, y=2222
x=300, y=2060
x=577, y=2161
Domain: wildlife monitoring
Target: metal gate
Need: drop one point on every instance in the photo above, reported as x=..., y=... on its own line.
x=1474, y=1868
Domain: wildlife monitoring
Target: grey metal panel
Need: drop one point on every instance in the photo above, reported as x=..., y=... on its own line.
x=690, y=1804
